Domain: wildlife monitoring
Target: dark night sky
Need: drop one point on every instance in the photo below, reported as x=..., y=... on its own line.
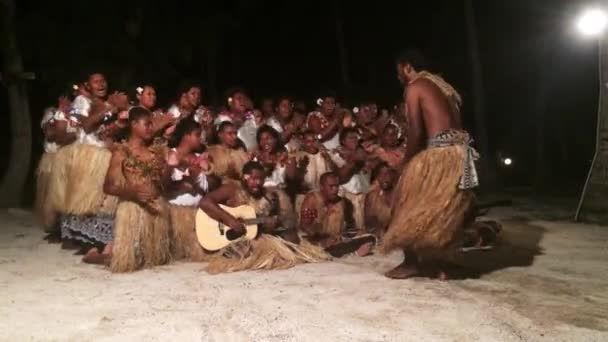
x=278, y=46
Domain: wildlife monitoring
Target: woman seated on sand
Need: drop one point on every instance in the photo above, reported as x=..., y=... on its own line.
x=271, y=153
x=137, y=175
x=190, y=180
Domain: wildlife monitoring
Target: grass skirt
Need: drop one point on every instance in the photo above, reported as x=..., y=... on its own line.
x=429, y=210
x=184, y=243
x=86, y=173
x=267, y=252
x=58, y=182
x=43, y=208
x=141, y=238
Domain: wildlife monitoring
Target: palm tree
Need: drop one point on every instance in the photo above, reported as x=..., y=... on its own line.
x=11, y=186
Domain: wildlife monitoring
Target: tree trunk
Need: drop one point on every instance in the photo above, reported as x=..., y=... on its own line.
x=488, y=169
x=16, y=175
x=341, y=47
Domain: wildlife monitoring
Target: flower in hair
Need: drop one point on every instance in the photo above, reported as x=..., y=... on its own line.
x=139, y=90
x=320, y=101
x=75, y=86
x=230, y=100
x=356, y=110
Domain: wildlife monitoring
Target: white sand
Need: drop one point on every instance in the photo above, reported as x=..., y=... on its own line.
x=562, y=295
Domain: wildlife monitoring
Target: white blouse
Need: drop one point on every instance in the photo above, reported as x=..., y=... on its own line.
x=188, y=199
x=358, y=184
x=81, y=107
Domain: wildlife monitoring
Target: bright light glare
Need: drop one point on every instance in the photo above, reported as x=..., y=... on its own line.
x=592, y=22
x=507, y=161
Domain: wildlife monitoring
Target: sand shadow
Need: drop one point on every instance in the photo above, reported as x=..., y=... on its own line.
x=518, y=246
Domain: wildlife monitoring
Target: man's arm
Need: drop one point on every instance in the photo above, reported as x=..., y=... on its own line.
x=308, y=215
x=346, y=169
x=415, y=132
x=210, y=204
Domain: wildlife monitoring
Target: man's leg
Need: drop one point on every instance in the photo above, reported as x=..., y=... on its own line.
x=407, y=269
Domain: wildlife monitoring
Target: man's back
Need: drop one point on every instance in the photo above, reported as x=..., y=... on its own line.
x=438, y=112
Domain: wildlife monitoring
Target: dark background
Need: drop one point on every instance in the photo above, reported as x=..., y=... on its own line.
x=537, y=74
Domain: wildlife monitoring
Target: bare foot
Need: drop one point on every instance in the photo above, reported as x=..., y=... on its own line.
x=403, y=271
x=365, y=249
x=93, y=257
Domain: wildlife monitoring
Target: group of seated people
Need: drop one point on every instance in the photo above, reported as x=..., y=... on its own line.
x=121, y=180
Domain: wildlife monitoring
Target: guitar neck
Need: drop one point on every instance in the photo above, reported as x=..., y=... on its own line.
x=256, y=220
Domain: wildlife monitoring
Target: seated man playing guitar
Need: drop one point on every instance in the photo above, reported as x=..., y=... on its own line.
x=273, y=208
x=269, y=243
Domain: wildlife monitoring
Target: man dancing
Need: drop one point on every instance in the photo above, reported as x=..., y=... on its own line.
x=434, y=200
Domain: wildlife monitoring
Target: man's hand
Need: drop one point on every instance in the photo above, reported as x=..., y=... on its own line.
x=236, y=225
x=163, y=121
x=119, y=101
x=172, y=159
x=369, y=146
x=203, y=162
x=169, y=131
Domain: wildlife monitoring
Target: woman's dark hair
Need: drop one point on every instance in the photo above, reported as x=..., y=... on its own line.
x=346, y=131
x=233, y=91
x=133, y=90
x=185, y=87
x=284, y=97
x=224, y=125
x=328, y=93
x=183, y=128
x=136, y=113
x=267, y=129
x=378, y=168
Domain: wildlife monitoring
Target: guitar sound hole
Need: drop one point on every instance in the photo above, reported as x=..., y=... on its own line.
x=233, y=235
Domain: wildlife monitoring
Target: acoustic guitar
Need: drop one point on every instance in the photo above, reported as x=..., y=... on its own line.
x=214, y=235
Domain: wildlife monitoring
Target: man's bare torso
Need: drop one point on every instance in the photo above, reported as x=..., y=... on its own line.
x=438, y=113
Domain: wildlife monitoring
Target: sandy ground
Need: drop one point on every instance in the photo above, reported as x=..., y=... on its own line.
x=547, y=282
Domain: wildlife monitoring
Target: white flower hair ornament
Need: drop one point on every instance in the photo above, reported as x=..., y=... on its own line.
x=139, y=90
x=356, y=110
x=230, y=100
x=320, y=101
x=75, y=86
